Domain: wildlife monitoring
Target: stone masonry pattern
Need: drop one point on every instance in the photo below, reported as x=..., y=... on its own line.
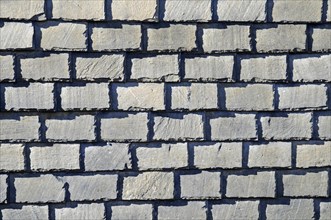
x=165, y=109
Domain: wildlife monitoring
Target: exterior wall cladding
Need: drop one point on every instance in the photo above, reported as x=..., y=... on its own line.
x=165, y=109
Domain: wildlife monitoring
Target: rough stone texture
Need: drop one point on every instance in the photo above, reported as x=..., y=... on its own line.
x=55, y=157
x=114, y=156
x=133, y=96
x=292, y=126
x=165, y=156
x=64, y=36
x=187, y=10
x=309, y=69
x=21, y=38
x=273, y=154
x=193, y=210
x=3, y=188
x=194, y=96
x=205, y=185
x=149, y=186
x=259, y=69
x=262, y=184
x=26, y=212
x=175, y=37
x=89, y=96
x=77, y=9
x=132, y=212
x=325, y=210
x=250, y=97
x=11, y=157
x=219, y=155
x=6, y=68
x=130, y=127
x=21, y=128
x=324, y=127
x=94, y=187
x=328, y=16
x=296, y=209
x=239, y=210
x=237, y=127
x=48, y=68
x=295, y=36
x=208, y=68
x=30, y=9
x=162, y=67
x=304, y=96
x=35, y=96
x=313, y=155
x=110, y=67
x=321, y=39
x=127, y=37
x=247, y=10
x=81, y=211
x=37, y=189
x=304, y=11
x=180, y=127
x=61, y=129
x=134, y=10
x=231, y=38
x=306, y=185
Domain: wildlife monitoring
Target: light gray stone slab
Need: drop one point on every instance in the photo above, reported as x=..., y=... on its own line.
x=187, y=10
x=132, y=212
x=297, y=209
x=22, y=128
x=321, y=39
x=95, y=211
x=21, y=38
x=324, y=127
x=134, y=10
x=11, y=157
x=193, y=210
x=3, y=188
x=27, y=9
x=7, y=68
x=26, y=212
x=239, y=210
x=313, y=155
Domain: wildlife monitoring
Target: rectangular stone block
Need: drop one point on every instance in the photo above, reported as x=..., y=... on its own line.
x=113, y=156
x=64, y=37
x=194, y=96
x=27, y=10
x=172, y=38
x=89, y=188
x=93, y=211
x=238, y=210
x=77, y=9
x=48, y=68
x=20, y=128
x=139, y=96
x=3, y=188
x=187, y=10
x=7, y=68
x=309, y=69
x=178, y=127
x=35, y=96
x=296, y=209
x=273, y=154
x=295, y=38
x=204, y=185
x=193, y=210
x=21, y=38
x=321, y=39
x=149, y=186
x=134, y=10
x=208, y=68
x=65, y=128
x=325, y=210
x=125, y=127
x=158, y=68
x=127, y=37
x=309, y=184
x=261, y=69
x=55, y=157
x=291, y=127
x=230, y=38
x=303, y=96
x=26, y=212
x=249, y=97
x=262, y=184
x=219, y=155
x=11, y=157
x=162, y=157
x=239, y=127
x=313, y=155
x=43, y=189
x=110, y=67
x=132, y=211
x=324, y=127
x=86, y=97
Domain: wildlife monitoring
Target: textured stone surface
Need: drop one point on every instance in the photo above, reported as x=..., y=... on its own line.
x=24, y=128
x=21, y=38
x=165, y=156
x=26, y=212
x=262, y=184
x=149, y=186
x=6, y=68
x=134, y=10
x=30, y=9
x=132, y=212
x=183, y=127
x=162, y=67
x=3, y=188
x=325, y=210
x=321, y=39
x=313, y=155
x=231, y=38
x=81, y=211
x=11, y=157
x=187, y=10
x=239, y=210
x=193, y=210
x=324, y=127
x=113, y=156
x=296, y=209
x=55, y=157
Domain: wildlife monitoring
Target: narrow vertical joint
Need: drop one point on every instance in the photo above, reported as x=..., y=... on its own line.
x=289, y=68
x=97, y=129
x=82, y=157
x=214, y=10
x=317, y=209
x=276, y=97
x=293, y=155
x=199, y=38
x=167, y=96
x=150, y=125
x=144, y=37
x=181, y=64
x=108, y=10
x=208, y=210
x=309, y=41
x=27, y=161
x=88, y=37
x=252, y=35
x=259, y=130
x=314, y=125
x=269, y=9
x=325, y=10
x=42, y=128
x=245, y=154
